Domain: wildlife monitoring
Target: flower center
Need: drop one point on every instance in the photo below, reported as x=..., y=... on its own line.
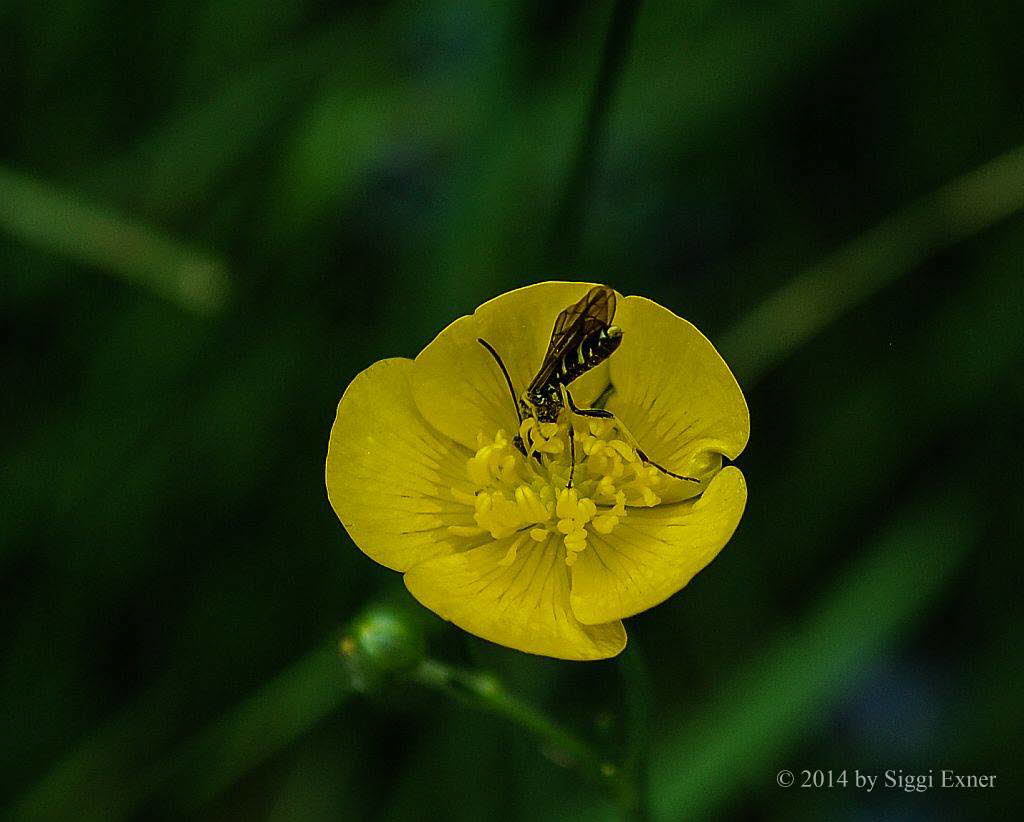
x=528, y=496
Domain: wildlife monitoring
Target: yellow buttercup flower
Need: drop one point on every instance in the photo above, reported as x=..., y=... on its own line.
x=425, y=471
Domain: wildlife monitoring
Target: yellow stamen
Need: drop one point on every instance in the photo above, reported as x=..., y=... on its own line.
x=517, y=495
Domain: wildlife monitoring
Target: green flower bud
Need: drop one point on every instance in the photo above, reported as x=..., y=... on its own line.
x=381, y=645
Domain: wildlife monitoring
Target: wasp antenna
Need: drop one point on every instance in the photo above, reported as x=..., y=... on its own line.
x=663, y=469
x=504, y=371
x=674, y=474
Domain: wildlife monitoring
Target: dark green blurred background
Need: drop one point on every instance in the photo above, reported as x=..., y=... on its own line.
x=213, y=215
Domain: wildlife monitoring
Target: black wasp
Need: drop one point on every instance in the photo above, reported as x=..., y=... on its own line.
x=583, y=337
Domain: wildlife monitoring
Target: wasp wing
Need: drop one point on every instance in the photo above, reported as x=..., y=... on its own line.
x=592, y=313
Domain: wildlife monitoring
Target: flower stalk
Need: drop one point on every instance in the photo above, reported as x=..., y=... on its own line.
x=485, y=692
x=639, y=706
x=384, y=646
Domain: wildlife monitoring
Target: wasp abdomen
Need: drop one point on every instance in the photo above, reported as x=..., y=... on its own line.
x=594, y=350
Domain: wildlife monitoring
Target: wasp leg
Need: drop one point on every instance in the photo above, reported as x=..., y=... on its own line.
x=572, y=455
x=662, y=468
x=600, y=413
x=596, y=413
x=517, y=441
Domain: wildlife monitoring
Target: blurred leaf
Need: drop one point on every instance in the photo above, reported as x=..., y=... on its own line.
x=280, y=712
x=321, y=787
x=685, y=86
x=870, y=427
x=194, y=147
x=391, y=117
x=60, y=222
x=859, y=435
x=812, y=300
x=697, y=67
x=200, y=768
x=739, y=740
x=91, y=778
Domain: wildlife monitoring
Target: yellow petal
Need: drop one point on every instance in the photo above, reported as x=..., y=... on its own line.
x=523, y=605
x=389, y=475
x=654, y=552
x=459, y=388
x=676, y=394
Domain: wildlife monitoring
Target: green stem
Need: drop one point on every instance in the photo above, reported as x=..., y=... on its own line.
x=566, y=227
x=485, y=692
x=639, y=704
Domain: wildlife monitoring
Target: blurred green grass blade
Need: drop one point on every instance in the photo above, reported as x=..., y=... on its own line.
x=60, y=222
x=323, y=785
x=990, y=719
x=695, y=74
x=676, y=98
x=347, y=130
x=223, y=37
x=277, y=714
x=567, y=223
x=740, y=739
x=90, y=779
x=184, y=158
x=806, y=305
x=970, y=346
x=334, y=145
